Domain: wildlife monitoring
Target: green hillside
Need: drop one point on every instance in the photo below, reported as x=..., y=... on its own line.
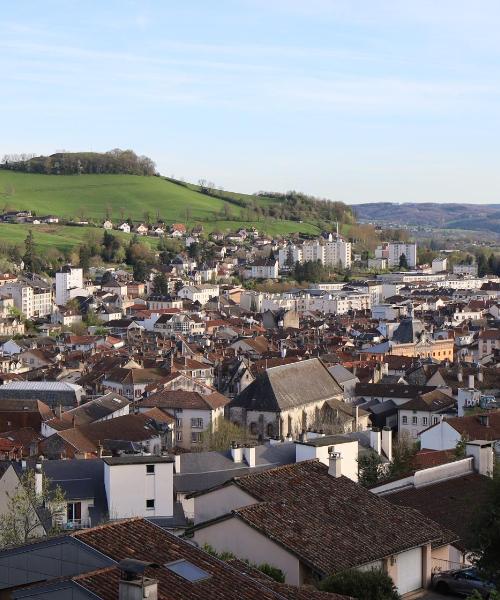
x=124, y=196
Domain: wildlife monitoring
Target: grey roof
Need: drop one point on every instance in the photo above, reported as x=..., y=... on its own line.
x=204, y=470
x=42, y=386
x=98, y=408
x=136, y=460
x=326, y=440
x=79, y=480
x=289, y=386
x=341, y=374
x=409, y=331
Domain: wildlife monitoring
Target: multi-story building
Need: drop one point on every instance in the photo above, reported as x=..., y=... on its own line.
x=465, y=270
x=69, y=283
x=331, y=253
x=393, y=251
x=32, y=295
x=262, y=269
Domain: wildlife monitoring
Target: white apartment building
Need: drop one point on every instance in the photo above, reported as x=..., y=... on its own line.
x=199, y=293
x=465, y=270
x=262, y=269
x=32, y=296
x=392, y=251
x=330, y=253
x=69, y=284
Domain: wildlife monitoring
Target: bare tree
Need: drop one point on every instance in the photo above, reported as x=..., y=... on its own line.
x=27, y=507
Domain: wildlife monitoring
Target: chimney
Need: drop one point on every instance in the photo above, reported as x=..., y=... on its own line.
x=58, y=411
x=289, y=437
x=133, y=584
x=249, y=454
x=480, y=376
x=356, y=418
x=177, y=463
x=303, y=436
x=334, y=464
x=483, y=455
x=460, y=376
x=236, y=452
x=376, y=440
x=387, y=442
x=38, y=479
x=471, y=381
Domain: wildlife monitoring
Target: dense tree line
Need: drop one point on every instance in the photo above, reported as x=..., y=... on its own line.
x=81, y=163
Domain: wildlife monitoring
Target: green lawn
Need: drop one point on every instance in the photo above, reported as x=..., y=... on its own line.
x=90, y=196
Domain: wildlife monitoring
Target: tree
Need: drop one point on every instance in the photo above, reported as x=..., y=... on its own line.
x=369, y=469
x=30, y=259
x=141, y=271
x=482, y=265
x=20, y=522
x=403, y=454
x=403, y=262
x=364, y=585
x=485, y=532
x=223, y=434
x=160, y=285
x=289, y=262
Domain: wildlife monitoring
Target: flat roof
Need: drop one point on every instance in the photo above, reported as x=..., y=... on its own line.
x=134, y=459
x=326, y=440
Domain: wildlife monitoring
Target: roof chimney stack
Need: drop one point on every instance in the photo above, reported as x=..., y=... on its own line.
x=483, y=455
x=334, y=464
x=471, y=382
x=177, y=463
x=249, y=454
x=376, y=440
x=236, y=452
x=387, y=442
x=134, y=585
x=38, y=479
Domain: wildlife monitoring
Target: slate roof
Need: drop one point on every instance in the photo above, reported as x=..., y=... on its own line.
x=201, y=471
x=409, y=331
x=330, y=523
x=391, y=390
x=289, y=386
x=452, y=503
x=96, y=409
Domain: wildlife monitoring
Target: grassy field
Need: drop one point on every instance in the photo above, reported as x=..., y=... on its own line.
x=55, y=236
x=91, y=196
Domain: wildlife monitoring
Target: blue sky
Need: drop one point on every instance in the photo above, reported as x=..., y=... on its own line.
x=356, y=100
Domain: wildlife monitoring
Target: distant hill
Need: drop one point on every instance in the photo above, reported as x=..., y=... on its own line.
x=114, y=162
x=449, y=216
x=92, y=197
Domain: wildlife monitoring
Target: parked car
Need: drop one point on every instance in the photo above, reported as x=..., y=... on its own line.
x=461, y=582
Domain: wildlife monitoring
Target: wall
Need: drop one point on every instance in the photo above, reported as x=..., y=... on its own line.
x=129, y=486
x=232, y=535
x=440, y=437
x=220, y=502
x=348, y=452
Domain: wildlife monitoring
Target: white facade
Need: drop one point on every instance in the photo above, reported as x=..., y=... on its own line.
x=331, y=253
x=439, y=264
x=465, y=270
x=69, y=283
x=32, y=301
x=199, y=293
x=348, y=451
x=138, y=488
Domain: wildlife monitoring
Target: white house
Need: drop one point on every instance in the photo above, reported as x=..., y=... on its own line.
x=199, y=293
x=125, y=227
x=139, y=486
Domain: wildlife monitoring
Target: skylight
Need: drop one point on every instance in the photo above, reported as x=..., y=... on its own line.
x=187, y=570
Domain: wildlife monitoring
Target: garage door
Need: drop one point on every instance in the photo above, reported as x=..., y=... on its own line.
x=409, y=571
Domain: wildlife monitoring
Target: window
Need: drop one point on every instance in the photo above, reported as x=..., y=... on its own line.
x=424, y=420
x=150, y=469
x=178, y=422
x=150, y=504
x=197, y=423
x=414, y=420
x=435, y=420
x=178, y=436
x=195, y=437
x=405, y=420
x=74, y=511
x=253, y=428
x=187, y=570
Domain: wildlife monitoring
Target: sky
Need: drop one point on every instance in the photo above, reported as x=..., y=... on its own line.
x=356, y=100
